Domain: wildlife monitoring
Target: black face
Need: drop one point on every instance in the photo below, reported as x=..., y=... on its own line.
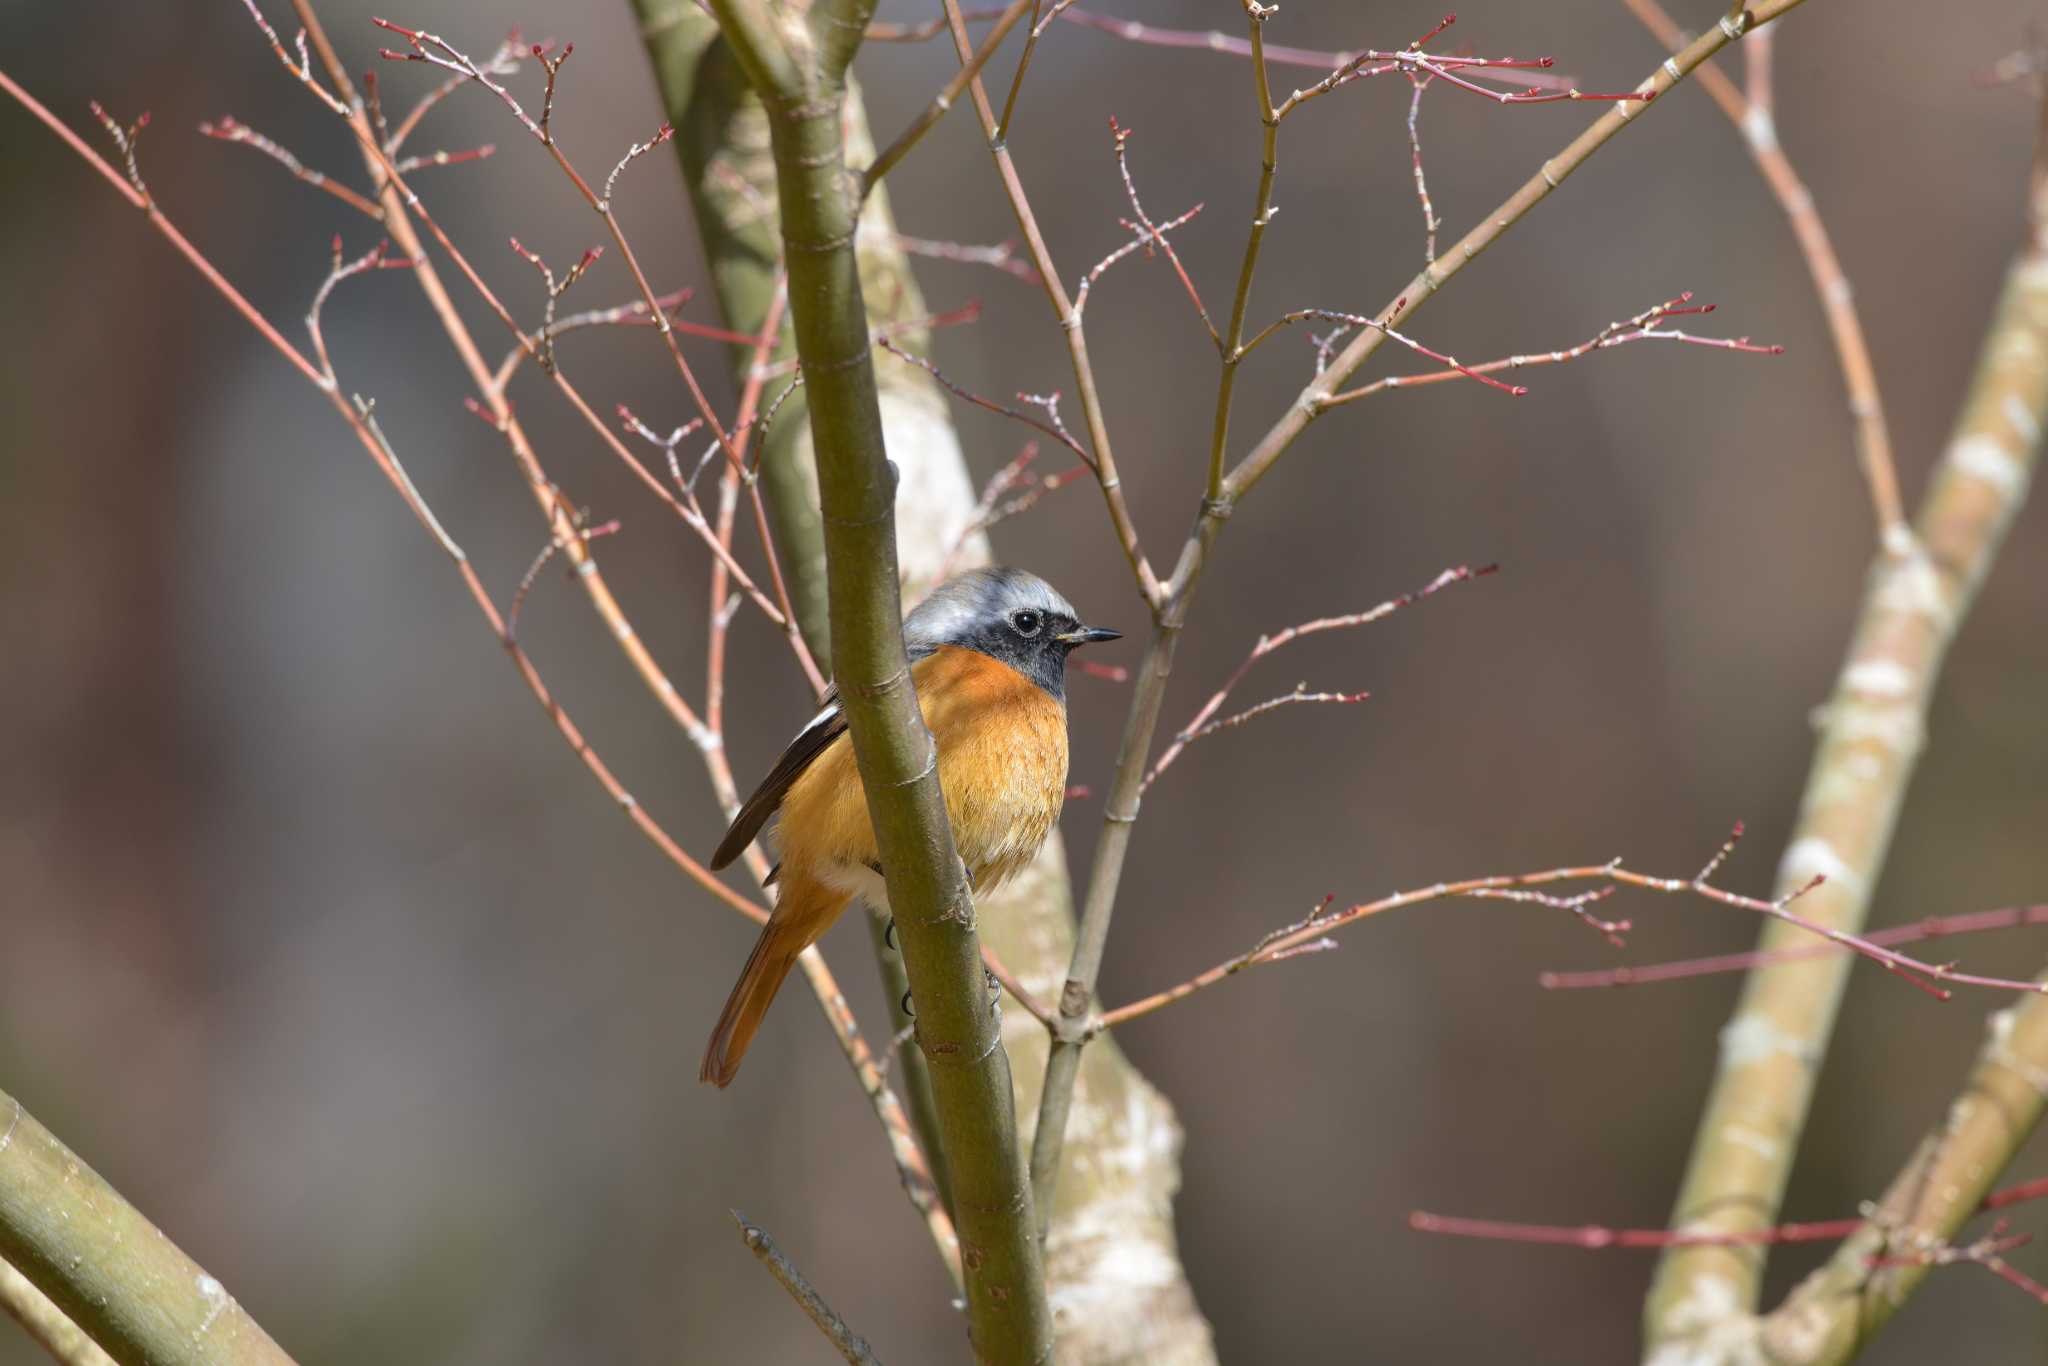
x=1035, y=641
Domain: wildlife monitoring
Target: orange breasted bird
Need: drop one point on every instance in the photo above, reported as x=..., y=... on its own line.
x=988, y=653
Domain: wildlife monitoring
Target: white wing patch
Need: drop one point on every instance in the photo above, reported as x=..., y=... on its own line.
x=817, y=723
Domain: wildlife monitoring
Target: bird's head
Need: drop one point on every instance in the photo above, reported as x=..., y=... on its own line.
x=1009, y=615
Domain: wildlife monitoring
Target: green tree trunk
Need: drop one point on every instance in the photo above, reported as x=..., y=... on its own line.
x=1118, y=1289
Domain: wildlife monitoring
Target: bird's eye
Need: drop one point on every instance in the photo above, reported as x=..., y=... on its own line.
x=1027, y=623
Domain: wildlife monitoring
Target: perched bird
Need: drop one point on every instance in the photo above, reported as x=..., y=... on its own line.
x=988, y=653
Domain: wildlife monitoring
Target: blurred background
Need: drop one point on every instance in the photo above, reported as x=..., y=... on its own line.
x=320, y=944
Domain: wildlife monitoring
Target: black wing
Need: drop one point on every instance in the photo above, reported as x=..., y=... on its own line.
x=827, y=726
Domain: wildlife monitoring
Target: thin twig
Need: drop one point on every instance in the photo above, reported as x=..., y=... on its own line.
x=1053, y=429
x=1642, y=327
x=227, y=129
x=1203, y=722
x=48, y=1325
x=1934, y=927
x=1752, y=116
x=1100, y=455
x=900, y=146
x=434, y=50
x=915, y=1175
x=848, y=1343
x=1925, y=976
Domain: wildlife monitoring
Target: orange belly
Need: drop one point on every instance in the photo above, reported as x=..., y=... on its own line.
x=1002, y=765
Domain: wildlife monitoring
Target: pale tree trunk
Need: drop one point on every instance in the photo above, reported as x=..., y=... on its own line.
x=1119, y=1292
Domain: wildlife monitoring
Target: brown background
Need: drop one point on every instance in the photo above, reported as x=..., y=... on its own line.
x=319, y=943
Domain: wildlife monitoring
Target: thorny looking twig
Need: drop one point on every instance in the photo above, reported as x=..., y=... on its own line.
x=1146, y=233
x=503, y=62
x=1988, y=1252
x=638, y=149
x=128, y=139
x=358, y=419
x=988, y=511
x=1934, y=927
x=968, y=313
x=540, y=562
x=634, y=313
x=1430, y=222
x=1528, y=887
x=555, y=290
x=1209, y=40
x=1054, y=428
x=434, y=50
x=1642, y=327
x=376, y=258
x=1169, y=599
x=227, y=129
x=915, y=1175
x=1002, y=256
x=1100, y=455
x=1203, y=723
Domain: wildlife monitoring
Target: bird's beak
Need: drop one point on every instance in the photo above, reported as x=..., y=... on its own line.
x=1089, y=635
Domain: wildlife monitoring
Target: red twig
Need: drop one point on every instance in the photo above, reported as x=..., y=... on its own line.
x=227, y=129
x=1598, y=1238
x=422, y=160
x=358, y=418
x=1453, y=367
x=635, y=313
x=993, y=506
x=1988, y=1251
x=1934, y=927
x=966, y=314
x=1148, y=232
x=376, y=258
x=1643, y=326
x=1430, y=222
x=1203, y=722
x=430, y=49
x=1924, y=976
x=129, y=140
x=638, y=149
x=540, y=561
x=1211, y=40
x=1055, y=428
x=1002, y=256
x=545, y=357
x=503, y=62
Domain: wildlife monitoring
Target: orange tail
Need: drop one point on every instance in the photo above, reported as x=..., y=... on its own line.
x=802, y=913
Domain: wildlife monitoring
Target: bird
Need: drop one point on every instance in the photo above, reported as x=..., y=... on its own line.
x=988, y=654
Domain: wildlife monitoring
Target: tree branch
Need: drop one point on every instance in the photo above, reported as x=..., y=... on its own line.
x=1840, y=1307
x=1116, y=1210
x=844, y=1340
x=1171, y=604
x=106, y=1267
x=42, y=1320
x=1870, y=741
